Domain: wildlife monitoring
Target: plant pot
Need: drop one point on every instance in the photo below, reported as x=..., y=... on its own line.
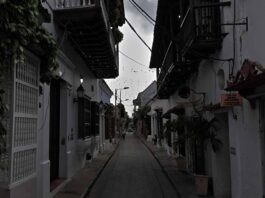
x=201, y=182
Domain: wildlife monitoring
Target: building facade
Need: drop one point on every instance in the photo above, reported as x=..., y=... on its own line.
x=208, y=53
x=54, y=129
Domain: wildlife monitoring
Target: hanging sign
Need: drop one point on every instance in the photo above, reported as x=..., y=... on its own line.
x=231, y=100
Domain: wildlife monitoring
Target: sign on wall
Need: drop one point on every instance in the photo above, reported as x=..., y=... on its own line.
x=231, y=100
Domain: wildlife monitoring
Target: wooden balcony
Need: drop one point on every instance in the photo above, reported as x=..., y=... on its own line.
x=200, y=31
x=87, y=24
x=174, y=72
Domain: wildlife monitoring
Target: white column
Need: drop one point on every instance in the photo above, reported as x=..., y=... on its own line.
x=43, y=170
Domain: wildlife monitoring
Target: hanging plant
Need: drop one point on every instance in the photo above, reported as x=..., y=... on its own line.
x=118, y=35
x=116, y=16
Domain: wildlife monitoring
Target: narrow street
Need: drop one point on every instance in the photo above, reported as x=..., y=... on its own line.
x=132, y=172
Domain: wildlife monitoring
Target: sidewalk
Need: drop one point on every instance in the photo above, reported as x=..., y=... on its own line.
x=182, y=181
x=81, y=183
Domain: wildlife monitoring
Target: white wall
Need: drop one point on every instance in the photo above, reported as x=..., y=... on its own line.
x=43, y=167
x=71, y=66
x=244, y=135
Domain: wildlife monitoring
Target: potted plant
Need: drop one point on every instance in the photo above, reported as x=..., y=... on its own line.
x=178, y=126
x=201, y=130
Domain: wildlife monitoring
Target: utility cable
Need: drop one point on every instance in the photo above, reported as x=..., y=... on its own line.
x=132, y=59
x=150, y=21
x=130, y=25
x=143, y=11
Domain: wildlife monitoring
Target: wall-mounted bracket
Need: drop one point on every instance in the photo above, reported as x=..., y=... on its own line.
x=245, y=23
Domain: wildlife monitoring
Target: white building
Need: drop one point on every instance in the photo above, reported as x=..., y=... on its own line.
x=53, y=130
x=205, y=45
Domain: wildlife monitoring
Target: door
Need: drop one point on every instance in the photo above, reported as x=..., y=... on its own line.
x=221, y=159
x=54, y=148
x=262, y=136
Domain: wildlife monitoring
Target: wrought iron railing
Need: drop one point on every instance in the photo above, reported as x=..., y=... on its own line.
x=73, y=3
x=201, y=23
x=167, y=65
x=207, y=22
x=18, y=142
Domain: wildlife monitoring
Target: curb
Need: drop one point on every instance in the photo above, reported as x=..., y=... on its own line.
x=87, y=192
x=162, y=167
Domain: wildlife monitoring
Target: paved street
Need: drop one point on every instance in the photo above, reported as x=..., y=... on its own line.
x=132, y=173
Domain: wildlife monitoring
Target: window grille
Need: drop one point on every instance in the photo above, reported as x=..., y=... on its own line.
x=25, y=118
x=95, y=118
x=24, y=164
x=84, y=118
x=18, y=157
x=73, y=3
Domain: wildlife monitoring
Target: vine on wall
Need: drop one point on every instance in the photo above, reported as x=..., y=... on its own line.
x=21, y=28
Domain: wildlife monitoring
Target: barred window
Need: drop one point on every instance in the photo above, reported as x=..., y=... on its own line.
x=84, y=118
x=95, y=117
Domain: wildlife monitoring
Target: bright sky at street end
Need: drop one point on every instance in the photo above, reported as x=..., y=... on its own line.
x=136, y=77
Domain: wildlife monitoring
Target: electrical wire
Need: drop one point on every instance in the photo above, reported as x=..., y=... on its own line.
x=132, y=59
x=143, y=11
x=130, y=25
x=150, y=21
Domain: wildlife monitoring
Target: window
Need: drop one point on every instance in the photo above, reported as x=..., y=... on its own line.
x=95, y=117
x=84, y=118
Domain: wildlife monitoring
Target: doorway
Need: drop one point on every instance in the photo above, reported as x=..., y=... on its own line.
x=54, y=143
x=221, y=159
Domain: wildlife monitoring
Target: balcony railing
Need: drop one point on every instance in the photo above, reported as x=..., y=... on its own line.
x=201, y=29
x=73, y=3
x=167, y=65
x=88, y=22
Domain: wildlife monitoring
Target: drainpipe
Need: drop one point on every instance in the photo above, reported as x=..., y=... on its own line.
x=234, y=40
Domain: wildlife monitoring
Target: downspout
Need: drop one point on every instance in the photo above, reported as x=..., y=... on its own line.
x=234, y=40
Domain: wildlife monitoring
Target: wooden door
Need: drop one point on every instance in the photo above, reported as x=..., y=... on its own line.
x=54, y=129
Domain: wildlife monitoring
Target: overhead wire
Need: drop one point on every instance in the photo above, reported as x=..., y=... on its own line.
x=150, y=21
x=143, y=11
x=132, y=59
x=131, y=26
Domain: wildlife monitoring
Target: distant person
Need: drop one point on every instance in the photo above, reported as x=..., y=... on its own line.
x=123, y=135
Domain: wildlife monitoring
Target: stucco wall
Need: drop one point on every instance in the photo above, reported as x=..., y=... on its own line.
x=244, y=135
x=71, y=67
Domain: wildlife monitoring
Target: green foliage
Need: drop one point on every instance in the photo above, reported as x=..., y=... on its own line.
x=116, y=16
x=122, y=110
x=20, y=28
x=200, y=128
x=118, y=35
x=2, y=128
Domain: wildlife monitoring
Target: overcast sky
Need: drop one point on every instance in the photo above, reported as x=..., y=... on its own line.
x=132, y=75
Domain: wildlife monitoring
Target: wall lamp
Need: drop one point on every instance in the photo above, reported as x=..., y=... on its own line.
x=81, y=79
x=80, y=93
x=185, y=92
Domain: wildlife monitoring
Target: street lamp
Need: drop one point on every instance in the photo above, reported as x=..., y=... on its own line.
x=115, y=109
x=120, y=91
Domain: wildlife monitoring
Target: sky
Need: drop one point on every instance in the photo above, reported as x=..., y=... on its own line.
x=136, y=77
